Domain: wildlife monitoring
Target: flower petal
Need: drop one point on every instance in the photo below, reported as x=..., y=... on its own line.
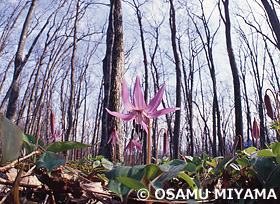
x=154, y=103
x=125, y=97
x=126, y=117
x=155, y=114
x=111, y=136
x=138, y=96
x=129, y=146
x=118, y=140
x=144, y=124
x=137, y=145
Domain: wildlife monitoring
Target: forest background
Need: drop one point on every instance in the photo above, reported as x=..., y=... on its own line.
x=216, y=57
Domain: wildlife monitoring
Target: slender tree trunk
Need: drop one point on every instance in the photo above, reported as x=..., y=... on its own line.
x=13, y=98
x=178, y=81
x=235, y=75
x=145, y=61
x=70, y=119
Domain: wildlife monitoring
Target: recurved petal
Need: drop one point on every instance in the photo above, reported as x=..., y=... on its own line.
x=125, y=97
x=137, y=145
x=154, y=103
x=111, y=136
x=155, y=114
x=145, y=126
x=129, y=146
x=126, y=117
x=118, y=136
x=138, y=96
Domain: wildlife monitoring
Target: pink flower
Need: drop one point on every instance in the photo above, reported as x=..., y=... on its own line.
x=131, y=144
x=114, y=137
x=256, y=130
x=139, y=111
x=55, y=135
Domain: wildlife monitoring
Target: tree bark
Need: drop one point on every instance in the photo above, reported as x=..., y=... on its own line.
x=235, y=75
x=71, y=101
x=178, y=81
x=14, y=94
x=113, y=69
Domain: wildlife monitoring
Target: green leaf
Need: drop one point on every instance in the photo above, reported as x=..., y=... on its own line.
x=63, y=146
x=188, y=179
x=96, y=164
x=190, y=167
x=50, y=160
x=136, y=172
x=172, y=169
x=106, y=164
x=249, y=150
x=275, y=148
x=265, y=153
x=267, y=172
x=243, y=162
x=10, y=139
x=131, y=183
x=29, y=143
x=224, y=163
x=278, y=158
x=221, y=164
x=151, y=172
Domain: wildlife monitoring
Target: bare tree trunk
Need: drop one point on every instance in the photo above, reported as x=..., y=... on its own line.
x=188, y=81
x=145, y=61
x=178, y=81
x=155, y=77
x=273, y=19
x=19, y=63
x=71, y=102
x=113, y=69
x=235, y=75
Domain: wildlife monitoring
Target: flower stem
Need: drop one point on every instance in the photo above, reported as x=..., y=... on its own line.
x=149, y=143
x=130, y=152
x=115, y=153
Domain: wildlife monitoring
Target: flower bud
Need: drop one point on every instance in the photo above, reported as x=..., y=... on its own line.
x=268, y=106
x=52, y=124
x=256, y=130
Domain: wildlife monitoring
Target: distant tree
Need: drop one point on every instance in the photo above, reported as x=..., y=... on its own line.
x=207, y=39
x=234, y=70
x=172, y=23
